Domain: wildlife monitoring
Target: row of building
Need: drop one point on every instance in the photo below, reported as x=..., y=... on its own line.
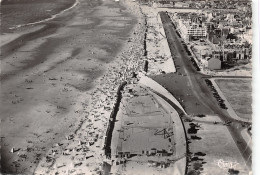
x=202, y=4
x=229, y=37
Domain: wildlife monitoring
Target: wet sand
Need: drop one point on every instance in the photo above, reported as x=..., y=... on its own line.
x=49, y=76
x=15, y=13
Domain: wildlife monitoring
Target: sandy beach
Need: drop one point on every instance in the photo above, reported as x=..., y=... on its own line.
x=58, y=78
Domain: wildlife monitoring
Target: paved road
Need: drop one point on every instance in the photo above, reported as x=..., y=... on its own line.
x=199, y=87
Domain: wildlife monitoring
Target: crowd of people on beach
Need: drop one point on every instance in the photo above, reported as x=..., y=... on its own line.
x=83, y=149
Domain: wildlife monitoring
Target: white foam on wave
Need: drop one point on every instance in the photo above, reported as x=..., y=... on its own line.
x=47, y=19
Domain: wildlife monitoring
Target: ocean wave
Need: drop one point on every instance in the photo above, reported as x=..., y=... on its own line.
x=47, y=19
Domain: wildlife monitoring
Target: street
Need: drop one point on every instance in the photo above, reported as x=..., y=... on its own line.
x=201, y=95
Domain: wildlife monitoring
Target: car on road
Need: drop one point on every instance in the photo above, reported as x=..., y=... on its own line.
x=220, y=99
x=215, y=94
x=223, y=106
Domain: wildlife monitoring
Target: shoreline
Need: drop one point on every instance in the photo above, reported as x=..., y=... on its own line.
x=47, y=19
x=29, y=13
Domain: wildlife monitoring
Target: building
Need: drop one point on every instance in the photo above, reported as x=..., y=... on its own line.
x=191, y=31
x=162, y=3
x=217, y=55
x=210, y=26
x=237, y=51
x=213, y=38
x=197, y=31
x=213, y=63
x=181, y=5
x=240, y=55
